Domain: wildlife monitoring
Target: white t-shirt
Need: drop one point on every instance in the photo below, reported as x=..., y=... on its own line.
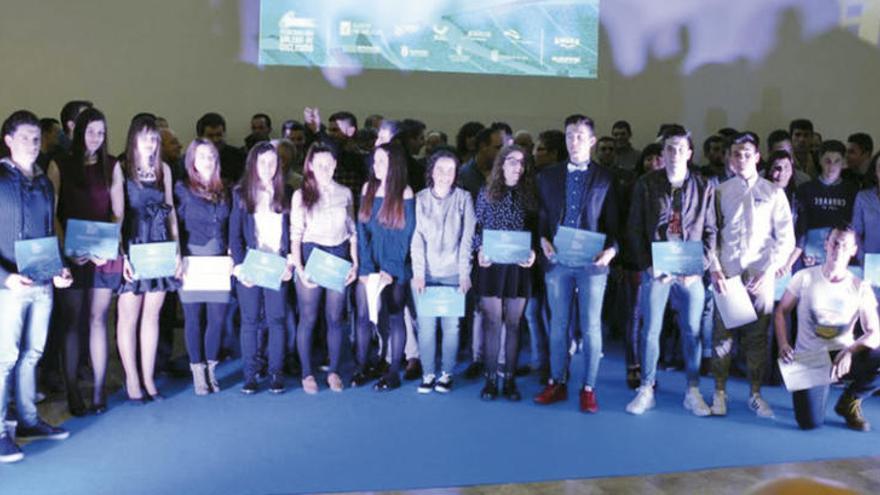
x=827, y=311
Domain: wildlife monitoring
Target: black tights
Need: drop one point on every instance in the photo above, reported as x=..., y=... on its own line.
x=394, y=333
x=309, y=301
x=498, y=312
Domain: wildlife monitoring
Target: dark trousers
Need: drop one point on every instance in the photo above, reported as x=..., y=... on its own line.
x=272, y=306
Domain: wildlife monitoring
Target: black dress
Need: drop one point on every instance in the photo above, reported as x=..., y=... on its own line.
x=508, y=213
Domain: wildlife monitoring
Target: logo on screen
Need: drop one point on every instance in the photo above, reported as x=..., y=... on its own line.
x=345, y=28
x=567, y=42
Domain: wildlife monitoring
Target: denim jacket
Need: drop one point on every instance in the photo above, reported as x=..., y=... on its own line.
x=652, y=208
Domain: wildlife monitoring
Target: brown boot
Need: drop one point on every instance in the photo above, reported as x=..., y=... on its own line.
x=851, y=409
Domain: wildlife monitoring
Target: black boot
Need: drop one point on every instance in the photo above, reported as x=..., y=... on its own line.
x=509, y=390
x=490, y=390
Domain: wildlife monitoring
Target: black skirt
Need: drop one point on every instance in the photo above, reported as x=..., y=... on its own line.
x=503, y=281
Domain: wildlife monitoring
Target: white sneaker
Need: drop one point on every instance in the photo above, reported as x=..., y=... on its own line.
x=644, y=400
x=693, y=402
x=760, y=406
x=719, y=403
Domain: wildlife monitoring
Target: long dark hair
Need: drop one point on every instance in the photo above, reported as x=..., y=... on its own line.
x=524, y=188
x=78, y=147
x=310, y=192
x=250, y=181
x=391, y=215
x=213, y=190
x=143, y=123
x=432, y=162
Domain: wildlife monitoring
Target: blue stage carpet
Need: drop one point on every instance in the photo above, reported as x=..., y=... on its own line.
x=363, y=440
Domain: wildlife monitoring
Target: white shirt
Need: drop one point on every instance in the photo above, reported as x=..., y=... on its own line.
x=267, y=224
x=755, y=231
x=827, y=311
x=330, y=222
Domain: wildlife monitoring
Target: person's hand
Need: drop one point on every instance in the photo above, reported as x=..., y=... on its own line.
x=786, y=353
x=719, y=282
x=64, y=280
x=236, y=272
x=756, y=284
x=418, y=284
x=809, y=261
x=783, y=271
x=464, y=284
x=127, y=270
x=305, y=279
x=604, y=258
x=80, y=260
x=689, y=279
x=16, y=281
x=288, y=273
x=549, y=250
x=385, y=278
x=842, y=364
x=529, y=262
x=98, y=261
x=352, y=275
x=363, y=279
x=482, y=260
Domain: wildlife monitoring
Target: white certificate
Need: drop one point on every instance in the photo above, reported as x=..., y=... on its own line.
x=207, y=273
x=734, y=305
x=807, y=370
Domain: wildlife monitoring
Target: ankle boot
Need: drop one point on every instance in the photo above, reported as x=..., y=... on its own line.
x=212, y=376
x=200, y=386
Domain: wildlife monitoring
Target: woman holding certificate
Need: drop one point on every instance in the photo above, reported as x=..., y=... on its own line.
x=259, y=225
x=386, y=221
x=830, y=300
x=322, y=221
x=441, y=256
x=149, y=218
x=507, y=204
x=88, y=191
x=203, y=210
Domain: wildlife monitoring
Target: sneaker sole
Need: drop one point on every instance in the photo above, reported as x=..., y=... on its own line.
x=695, y=412
x=441, y=390
x=637, y=412
x=8, y=459
x=424, y=391
x=276, y=391
x=55, y=436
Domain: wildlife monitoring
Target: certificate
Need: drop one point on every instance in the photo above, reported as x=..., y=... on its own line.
x=735, y=306
x=94, y=239
x=38, y=259
x=807, y=370
x=263, y=269
x=327, y=270
x=576, y=247
x=815, y=245
x=872, y=269
x=206, y=279
x=507, y=246
x=677, y=258
x=440, y=301
x=153, y=259
x=780, y=285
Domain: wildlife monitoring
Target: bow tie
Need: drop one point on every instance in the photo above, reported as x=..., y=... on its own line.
x=578, y=168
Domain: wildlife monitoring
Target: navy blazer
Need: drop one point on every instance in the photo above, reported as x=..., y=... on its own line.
x=242, y=228
x=599, y=212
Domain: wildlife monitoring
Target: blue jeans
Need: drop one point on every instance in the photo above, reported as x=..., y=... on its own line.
x=707, y=322
x=538, y=319
x=427, y=338
x=561, y=282
x=687, y=301
x=262, y=307
x=24, y=326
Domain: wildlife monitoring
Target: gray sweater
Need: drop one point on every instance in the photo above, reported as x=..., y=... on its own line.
x=441, y=245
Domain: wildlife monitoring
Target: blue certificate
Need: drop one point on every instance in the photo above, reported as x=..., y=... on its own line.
x=677, y=258
x=153, y=259
x=94, y=239
x=815, y=245
x=440, y=301
x=327, y=270
x=507, y=246
x=781, y=285
x=263, y=269
x=575, y=247
x=38, y=259
x=872, y=269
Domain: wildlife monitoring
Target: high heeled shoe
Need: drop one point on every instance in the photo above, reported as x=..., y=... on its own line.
x=76, y=405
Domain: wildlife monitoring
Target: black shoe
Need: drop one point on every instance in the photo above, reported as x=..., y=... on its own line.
x=523, y=370
x=705, y=366
x=99, y=408
x=474, y=370
x=510, y=391
x=633, y=377
x=413, y=369
x=490, y=390
x=76, y=405
x=359, y=379
x=249, y=387
x=386, y=383
x=427, y=385
x=276, y=383
x=41, y=430
x=261, y=376
x=544, y=376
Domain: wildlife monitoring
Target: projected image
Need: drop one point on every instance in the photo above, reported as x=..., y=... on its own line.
x=509, y=37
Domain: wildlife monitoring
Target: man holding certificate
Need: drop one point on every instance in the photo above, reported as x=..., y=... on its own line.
x=830, y=300
x=28, y=200
x=577, y=194
x=755, y=239
x=672, y=210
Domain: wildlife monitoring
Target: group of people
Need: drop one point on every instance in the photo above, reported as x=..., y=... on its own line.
x=415, y=222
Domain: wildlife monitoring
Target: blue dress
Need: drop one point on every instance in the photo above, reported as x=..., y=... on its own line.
x=146, y=220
